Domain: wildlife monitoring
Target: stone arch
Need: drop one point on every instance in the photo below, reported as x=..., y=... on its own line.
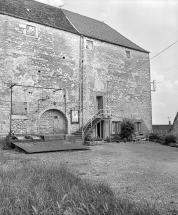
x=52, y=121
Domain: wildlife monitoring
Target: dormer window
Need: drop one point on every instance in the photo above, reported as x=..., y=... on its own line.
x=127, y=54
x=89, y=44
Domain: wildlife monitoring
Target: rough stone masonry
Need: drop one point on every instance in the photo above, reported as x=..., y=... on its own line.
x=70, y=75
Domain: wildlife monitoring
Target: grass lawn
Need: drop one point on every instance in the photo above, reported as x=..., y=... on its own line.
x=108, y=179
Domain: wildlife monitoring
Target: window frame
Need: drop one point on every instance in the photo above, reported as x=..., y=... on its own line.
x=138, y=127
x=31, y=35
x=116, y=127
x=128, y=54
x=86, y=45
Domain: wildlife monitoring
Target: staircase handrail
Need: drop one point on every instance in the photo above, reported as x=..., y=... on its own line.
x=97, y=114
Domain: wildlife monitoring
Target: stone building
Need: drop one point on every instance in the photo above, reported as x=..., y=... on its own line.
x=60, y=70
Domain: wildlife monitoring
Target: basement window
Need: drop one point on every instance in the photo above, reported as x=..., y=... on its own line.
x=89, y=44
x=127, y=54
x=31, y=30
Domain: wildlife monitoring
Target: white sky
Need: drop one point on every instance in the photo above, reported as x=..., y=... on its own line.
x=151, y=24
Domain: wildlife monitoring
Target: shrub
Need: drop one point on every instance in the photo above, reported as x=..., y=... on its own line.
x=162, y=139
x=170, y=138
x=154, y=137
x=89, y=137
x=6, y=145
x=116, y=138
x=127, y=129
x=97, y=139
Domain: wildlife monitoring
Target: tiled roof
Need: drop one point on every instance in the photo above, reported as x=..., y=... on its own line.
x=65, y=20
x=37, y=12
x=99, y=30
x=161, y=127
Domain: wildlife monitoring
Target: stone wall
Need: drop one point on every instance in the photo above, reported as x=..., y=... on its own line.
x=126, y=88
x=35, y=55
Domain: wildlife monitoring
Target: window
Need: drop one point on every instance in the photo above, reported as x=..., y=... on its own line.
x=89, y=44
x=31, y=30
x=115, y=127
x=128, y=54
x=138, y=127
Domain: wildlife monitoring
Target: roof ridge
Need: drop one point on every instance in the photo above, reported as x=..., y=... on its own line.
x=83, y=15
x=43, y=4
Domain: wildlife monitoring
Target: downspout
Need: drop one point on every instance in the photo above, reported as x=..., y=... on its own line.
x=81, y=79
x=150, y=93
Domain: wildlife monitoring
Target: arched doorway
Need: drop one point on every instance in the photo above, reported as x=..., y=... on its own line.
x=52, y=122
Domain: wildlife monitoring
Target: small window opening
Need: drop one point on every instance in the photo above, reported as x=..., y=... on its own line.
x=30, y=30
x=128, y=54
x=89, y=44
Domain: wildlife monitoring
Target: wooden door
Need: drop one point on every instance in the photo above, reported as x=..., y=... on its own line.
x=52, y=122
x=99, y=100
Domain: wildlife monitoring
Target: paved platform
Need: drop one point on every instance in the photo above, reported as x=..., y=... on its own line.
x=47, y=146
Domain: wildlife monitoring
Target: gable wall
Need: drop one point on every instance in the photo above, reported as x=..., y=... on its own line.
x=174, y=129
x=126, y=90
x=36, y=61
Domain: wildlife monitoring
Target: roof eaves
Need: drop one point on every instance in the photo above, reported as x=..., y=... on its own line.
x=115, y=43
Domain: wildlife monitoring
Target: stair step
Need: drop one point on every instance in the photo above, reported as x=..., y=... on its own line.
x=78, y=141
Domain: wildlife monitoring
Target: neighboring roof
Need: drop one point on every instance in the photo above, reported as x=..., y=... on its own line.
x=99, y=30
x=37, y=12
x=161, y=127
x=65, y=20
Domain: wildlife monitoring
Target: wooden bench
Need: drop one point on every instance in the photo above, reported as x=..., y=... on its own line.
x=140, y=138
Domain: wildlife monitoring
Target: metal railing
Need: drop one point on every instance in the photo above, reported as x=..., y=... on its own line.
x=102, y=113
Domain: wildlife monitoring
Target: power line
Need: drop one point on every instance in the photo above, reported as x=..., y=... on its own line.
x=166, y=70
x=171, y=68
x=155, y=55
x=167, y=41
x=163, y=50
